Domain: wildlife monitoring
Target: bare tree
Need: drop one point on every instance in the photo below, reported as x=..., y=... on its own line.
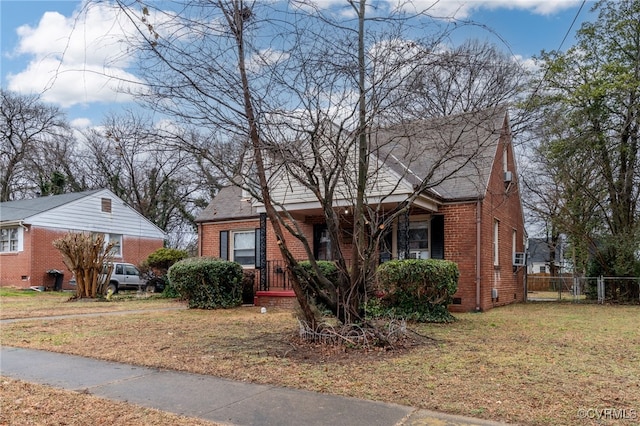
x=35, y=142
x=465, y=78
x=308, y=107
x=88, y=257
x=563, y=192
x=137, y=161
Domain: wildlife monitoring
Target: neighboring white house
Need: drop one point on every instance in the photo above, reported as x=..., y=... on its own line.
x=539, y=257
x=28, y=228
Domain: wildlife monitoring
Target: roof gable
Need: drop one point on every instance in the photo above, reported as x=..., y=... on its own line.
x=81, y=211
x=228, y=204
x=24, y=209
x=456, y=154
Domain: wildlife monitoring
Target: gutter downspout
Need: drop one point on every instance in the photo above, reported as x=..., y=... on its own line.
x=478, y=253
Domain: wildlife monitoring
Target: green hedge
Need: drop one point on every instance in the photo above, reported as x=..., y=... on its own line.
x=208, y=283
x=327, y=268
x=163, y=258
x=417, y=289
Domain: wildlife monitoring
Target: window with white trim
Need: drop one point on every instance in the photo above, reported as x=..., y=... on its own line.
x=10, y=239
x=496, y=241
x=243, y=247
x=419, y=240
x=116, y=240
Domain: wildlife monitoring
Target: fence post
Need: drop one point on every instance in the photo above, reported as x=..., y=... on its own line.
x=601, y=289
x=576, y=289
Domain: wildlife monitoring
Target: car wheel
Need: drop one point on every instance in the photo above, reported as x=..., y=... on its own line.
x=151, y=288
x=113, y=287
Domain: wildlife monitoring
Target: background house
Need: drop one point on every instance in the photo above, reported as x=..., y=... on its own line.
x=472, y=216
x=539, y=256
x=28, y=228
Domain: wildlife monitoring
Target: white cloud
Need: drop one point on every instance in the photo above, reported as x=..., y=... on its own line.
x=463, y=9
x=79, y=59
x=81, y=123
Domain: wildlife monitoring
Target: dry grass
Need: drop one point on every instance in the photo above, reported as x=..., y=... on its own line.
x=31, y=304
x=30, y=404
x=534, y=364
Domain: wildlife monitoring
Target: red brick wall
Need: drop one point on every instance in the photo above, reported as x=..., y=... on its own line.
x=13, y=266
x=39, y=256
x=209, y=235
x=460, y=247
x=502, y=203
x=265, y=299
x=209, y=238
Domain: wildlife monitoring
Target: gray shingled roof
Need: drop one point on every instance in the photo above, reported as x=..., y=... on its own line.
x=538, y=251
x=23, y=209
x=228, y=204
x=458, y=150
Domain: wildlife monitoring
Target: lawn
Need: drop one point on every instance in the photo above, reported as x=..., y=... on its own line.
x=16, y=303
x=532, y=364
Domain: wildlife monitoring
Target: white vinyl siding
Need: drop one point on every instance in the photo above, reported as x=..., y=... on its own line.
x=86, y=214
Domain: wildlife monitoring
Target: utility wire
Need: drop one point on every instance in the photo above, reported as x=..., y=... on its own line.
x=546, y=73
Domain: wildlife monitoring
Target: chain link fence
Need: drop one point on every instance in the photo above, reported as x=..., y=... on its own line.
x=543, y=287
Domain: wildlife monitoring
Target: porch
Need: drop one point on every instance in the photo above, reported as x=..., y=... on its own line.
x=272, y=288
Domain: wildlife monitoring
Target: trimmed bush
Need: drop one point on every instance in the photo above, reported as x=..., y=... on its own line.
x=163, y=258
x=156, y=266
x=417, y=289
x=328, y=269
x=207, y=283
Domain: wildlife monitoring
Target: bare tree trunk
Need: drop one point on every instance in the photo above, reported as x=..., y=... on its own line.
x=236, y=18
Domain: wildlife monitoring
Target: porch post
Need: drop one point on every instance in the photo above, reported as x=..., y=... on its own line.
x=403, y=236
x=263, y=252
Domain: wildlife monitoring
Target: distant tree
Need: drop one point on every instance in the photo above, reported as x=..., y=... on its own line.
x=594, y=90
x=140, y=163
x=35, y=141
x=465, y=78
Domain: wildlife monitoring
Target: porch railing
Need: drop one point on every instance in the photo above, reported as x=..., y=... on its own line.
x=278, y=277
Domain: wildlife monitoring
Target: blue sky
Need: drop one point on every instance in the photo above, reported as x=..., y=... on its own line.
x=34, y=33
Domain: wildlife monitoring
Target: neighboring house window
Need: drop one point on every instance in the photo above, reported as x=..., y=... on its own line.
x=9, y=239
x=543, y=269
x=496, y=246
x=419, y=240
x=106, y=204
x=116, y=239
x=243, y=247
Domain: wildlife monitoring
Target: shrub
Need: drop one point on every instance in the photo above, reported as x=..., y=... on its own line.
x=155, y=268
x=327, y=268
x=417, y=289
x=163, y=258
x=208, y=283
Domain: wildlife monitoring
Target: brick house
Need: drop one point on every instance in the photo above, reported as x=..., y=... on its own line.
x=28, y=228
x=471, y=215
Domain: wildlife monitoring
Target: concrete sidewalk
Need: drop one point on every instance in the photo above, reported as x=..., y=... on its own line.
x=207, y=397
